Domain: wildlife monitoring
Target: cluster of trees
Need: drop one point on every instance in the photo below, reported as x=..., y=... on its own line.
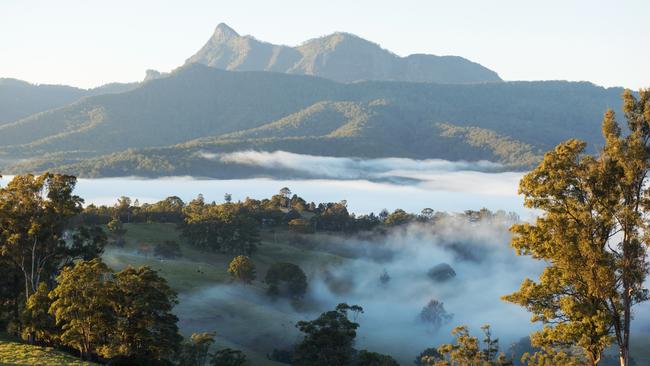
x=104, y=313
x=56, y=291
x=282, y=278
x=234, y=227
x=39, y=238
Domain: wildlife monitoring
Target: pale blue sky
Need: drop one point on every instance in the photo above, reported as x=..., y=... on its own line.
x=90, y=42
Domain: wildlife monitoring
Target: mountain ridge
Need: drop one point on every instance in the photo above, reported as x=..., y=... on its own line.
x=340, y=56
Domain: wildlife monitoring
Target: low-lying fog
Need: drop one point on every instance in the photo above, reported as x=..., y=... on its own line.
x=368, y=185
x=486, y=269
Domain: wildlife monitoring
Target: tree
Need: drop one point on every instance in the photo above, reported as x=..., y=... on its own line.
x=116, y=227
x=428, y=357
x=285, y=192
x=123, y=208
x=38, y=324
x=591, y=234
x=227, y=228
x=35, y=212
x=83, y=306
x=467, y=351
x=398, y=217
x=434, y=313
x=289, y=274
x=227, y=197
x=145, y=325
x=242, y=268
x=426, y=214
x=329, y=339
x=300, y=226
x=229, y=357
x=366, y=358
x=194, y=352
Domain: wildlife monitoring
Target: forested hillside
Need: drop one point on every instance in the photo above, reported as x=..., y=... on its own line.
x=202, y=109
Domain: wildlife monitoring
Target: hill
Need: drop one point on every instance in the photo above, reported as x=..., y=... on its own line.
x=19, y=99
x=198, y=109
x=342, y=57
x=18, y=354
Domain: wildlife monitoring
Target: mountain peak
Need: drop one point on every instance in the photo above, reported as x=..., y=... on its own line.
x=339, y=56
x=223, y=31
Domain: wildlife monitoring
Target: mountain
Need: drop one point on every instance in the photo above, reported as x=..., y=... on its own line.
x=168, y=125
x=341, y=57
x=19, y=99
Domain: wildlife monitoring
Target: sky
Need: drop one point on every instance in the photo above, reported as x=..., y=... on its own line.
x=88, y=43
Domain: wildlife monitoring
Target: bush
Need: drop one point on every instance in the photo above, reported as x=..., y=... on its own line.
x=229, y=357
x=441, y=272
x=242, y=268
x=286, y=279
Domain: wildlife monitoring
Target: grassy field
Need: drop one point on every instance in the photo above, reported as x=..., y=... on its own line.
x=17, y=354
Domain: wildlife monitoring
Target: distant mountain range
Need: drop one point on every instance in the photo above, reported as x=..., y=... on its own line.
x=178, y=123
x=19, y=99
x=341, y=57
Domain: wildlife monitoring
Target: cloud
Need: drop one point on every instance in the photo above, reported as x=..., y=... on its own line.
x=347, y=168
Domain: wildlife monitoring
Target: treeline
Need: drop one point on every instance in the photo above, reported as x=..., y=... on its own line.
x=234, y=227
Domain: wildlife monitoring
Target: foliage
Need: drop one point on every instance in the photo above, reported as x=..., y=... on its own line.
x=144, y=323
x=83, y=306
x=229, y=357
x=428, y=357
x=301, y=226
x=366, y=358
x=441, y=272
x=329, y=339
x=591, y=235
x=399, y=217
x=227, y=228
x=467, y=351
x=127, y=313
x=194, y=352
x=35, y=214
x=38, y=324
x=242, y=268
x=434, y=314
x=289, y=274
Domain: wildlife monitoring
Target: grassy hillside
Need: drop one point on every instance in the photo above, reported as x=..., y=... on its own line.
x=17, y=354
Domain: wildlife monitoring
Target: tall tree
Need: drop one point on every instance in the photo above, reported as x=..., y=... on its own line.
x=593, y=235
x=83, y=306
x=145, y=325
x=329, y=339
x=467, y=351
x=34, y=214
